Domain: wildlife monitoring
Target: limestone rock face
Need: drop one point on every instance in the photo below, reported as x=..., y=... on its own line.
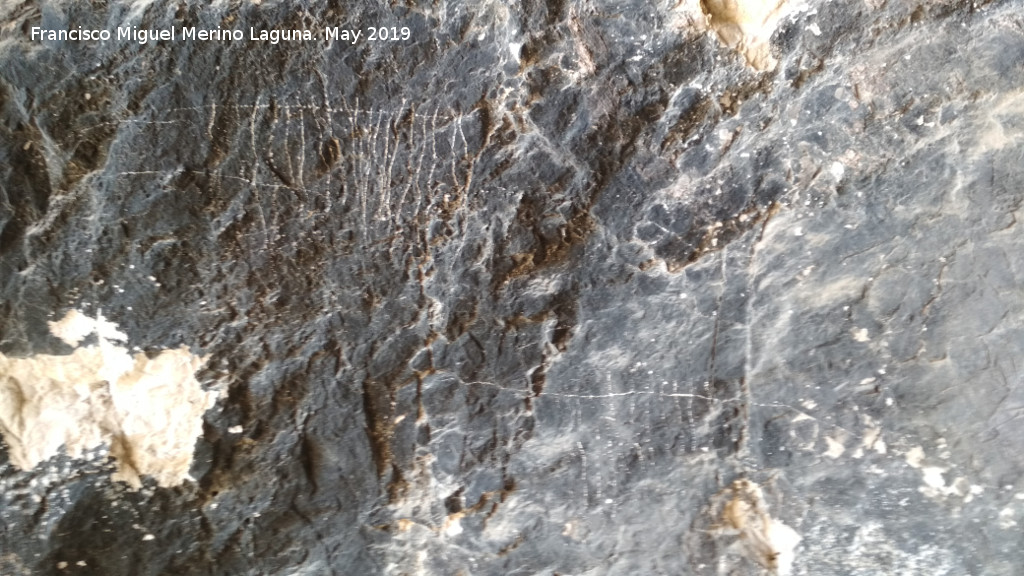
x=539, y=288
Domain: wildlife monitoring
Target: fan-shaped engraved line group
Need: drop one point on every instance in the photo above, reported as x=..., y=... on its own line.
x=395, y=166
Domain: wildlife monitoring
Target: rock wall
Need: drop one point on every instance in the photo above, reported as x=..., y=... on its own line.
x=596, y=287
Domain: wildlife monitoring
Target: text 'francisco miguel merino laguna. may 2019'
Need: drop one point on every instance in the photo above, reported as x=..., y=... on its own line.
x=186, y=33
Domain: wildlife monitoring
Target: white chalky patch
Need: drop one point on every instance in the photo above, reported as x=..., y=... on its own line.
x=747, y=26
x=835, y=447
x=1006, y=520
x=148, y=411
x=766, y=540
x=915, y=456
x=837, y=169
x=75, y=326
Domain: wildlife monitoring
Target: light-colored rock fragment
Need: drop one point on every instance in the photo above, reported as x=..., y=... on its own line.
x=75, y=326
x=872, y=438
x=1006, y=520
x=932, y=476
x=148, y=411
x=837, y=169
x=747, y=26
x=766, y=541
x=915, y=456
x=835, y=447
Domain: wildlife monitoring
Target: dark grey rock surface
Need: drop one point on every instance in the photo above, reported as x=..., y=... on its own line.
x=524, y=293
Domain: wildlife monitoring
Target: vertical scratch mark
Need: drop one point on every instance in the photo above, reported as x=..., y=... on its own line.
x=454, y=157
x=302, y=148
x=370, y=163
x=394, y=153
x=383, y=177
x=583, y=467
x=213, y=118
x=419, y=169
x=329, y=204
x=381, y=162
x=411, y=171
x=689, y=424
x=350, y=138
x=469, y=160
x=273, y=198
x=357, y=166
x=255, y=188
x=287, y=142
x=433, y=155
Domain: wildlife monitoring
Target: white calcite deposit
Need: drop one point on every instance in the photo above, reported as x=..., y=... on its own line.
x=146, y=410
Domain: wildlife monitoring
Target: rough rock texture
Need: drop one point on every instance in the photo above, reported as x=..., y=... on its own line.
x=530, y=292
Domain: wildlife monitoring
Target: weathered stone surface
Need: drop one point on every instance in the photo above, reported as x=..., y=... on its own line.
x=539, y=290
